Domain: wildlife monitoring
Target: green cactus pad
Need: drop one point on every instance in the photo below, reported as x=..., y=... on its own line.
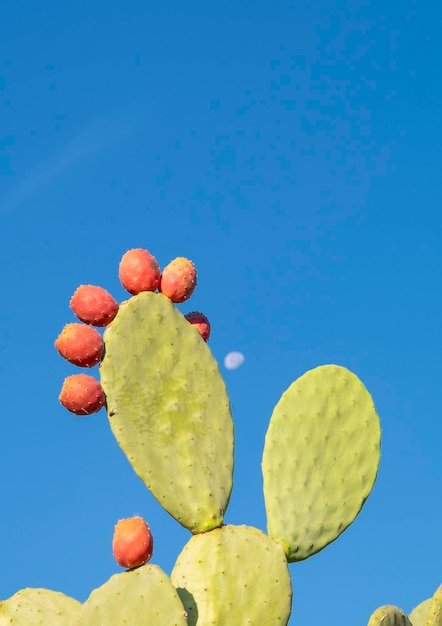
x=169, y=410
x=35, y=607
x=419, y=613
x=434, y=614
x=143, y=596
x=320, y=460
x=234, y=575
x=389, y=615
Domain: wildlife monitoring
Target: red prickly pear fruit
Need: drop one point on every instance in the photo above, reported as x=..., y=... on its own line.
x=139, y=271
x=80, y=345
x=178, y=280
x=82, y=394
x=200, y=321
x=132, y=544
x=94, y=305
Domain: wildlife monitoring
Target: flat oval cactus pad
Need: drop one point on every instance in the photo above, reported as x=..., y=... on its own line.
x=169, y=410
x=233, y=576
x=320, y=460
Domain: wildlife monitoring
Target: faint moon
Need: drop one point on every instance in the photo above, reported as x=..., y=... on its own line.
x=233, y=360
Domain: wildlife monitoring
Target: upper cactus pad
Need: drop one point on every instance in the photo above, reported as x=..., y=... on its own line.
x=320, y=459
x=169, y=410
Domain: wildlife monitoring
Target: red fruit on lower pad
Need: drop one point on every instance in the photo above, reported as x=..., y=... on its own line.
x=200, y=321
x=82, y=394
x=139, y=271
x=94, y=305
x=178, y=280
x=132, y=544
x=80, y=345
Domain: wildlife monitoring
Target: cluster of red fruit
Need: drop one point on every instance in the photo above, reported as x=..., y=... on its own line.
x=94, y=306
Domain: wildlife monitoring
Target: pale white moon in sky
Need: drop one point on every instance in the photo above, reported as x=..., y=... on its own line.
x=233, y=360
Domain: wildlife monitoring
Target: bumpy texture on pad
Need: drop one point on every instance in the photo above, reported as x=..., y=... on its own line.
x=38, y=607
x=144, y=596
x=434, y=615
x=389, y=615
x=320, y=459
x=233, y=576
x=169, y=410
x=419, y=613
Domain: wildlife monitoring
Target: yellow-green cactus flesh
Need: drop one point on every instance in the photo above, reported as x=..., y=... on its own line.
x=38, y=607
x=320, y=461
x=169, y=410
x=234, y=575
x=143, y=596
x=389, y=615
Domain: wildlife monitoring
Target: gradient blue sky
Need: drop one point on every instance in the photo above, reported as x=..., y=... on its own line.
x=293, y=151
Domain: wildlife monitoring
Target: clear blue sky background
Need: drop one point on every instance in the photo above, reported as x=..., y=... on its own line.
x=293, y=151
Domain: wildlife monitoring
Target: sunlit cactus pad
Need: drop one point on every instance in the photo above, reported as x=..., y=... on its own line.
x=169, y=410
x=38, y=607
x=234, y=576
x=419, y=613
x=434, y=615
x=389, y=615
x=142, y=597
x=320, y=460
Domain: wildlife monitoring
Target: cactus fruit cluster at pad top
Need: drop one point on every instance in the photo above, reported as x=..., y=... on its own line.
x=169, y=411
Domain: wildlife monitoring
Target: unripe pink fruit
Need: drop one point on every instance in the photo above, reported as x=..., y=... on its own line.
x=139, y=271
x=132, y=544
x=80, y=345
x=178, y=280
x=200, y=321
x=82, y=394
x=94, y=305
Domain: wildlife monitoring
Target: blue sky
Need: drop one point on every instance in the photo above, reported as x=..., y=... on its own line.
x=293, y=152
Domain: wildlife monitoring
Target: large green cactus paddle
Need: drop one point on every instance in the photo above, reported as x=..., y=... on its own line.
x=144, y=596
x=320, y=459
x=233, y=576
x=38, y=607
x=169, y=410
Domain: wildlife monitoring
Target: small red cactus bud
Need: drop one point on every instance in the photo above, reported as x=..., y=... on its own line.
x=178, y=280
x=94, y=305
x=82, y=394
x=80, y=345
x=132, y=544
x=139, y=271
x=200, y=321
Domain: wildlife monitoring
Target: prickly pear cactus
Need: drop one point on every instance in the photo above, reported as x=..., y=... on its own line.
x=389, y=615
x=434, y=614
x=169, y=410
x=142, y=596
x=233, y=575
x=38, y=607
x=320, y=460
x=419, y=613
